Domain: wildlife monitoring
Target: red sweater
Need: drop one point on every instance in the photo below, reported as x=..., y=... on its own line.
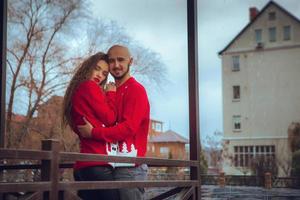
x=131, y=130
x=90, y=101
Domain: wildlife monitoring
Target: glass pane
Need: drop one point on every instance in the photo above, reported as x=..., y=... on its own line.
x=286, y=33
x=40, y=74
x=272, y=34
x=272, y=15
x=236, y=160
x=236, y=92
x=258, y=35
x=257, y=149
x=49, y=41
x=235, y=63
x=251, y=148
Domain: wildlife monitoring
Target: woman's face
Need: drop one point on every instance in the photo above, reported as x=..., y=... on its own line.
x=100, y=72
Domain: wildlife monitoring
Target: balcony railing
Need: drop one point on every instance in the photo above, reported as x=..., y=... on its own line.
x=52, y=161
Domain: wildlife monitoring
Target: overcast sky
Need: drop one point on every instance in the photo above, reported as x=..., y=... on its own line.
x=161, y=25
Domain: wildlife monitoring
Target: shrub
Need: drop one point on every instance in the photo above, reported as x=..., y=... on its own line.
x=296, y=163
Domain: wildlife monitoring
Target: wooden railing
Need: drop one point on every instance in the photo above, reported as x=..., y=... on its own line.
x=52, y=160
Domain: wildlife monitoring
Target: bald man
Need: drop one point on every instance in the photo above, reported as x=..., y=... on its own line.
x=131, y=131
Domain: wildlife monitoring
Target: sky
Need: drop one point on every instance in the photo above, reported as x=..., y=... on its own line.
x=161, y=25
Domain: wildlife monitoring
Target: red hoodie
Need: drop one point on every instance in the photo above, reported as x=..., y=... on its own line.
x=131, y=130
x=90, y=101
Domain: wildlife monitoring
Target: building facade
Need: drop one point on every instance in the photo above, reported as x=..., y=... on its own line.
x=261, y=90
x=168, y=144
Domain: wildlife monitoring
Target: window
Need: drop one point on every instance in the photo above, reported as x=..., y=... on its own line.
x=286, y=33
x=258, y=35
x=272, y=34
x=236, y=92
x=158, y=127
x=164, y=150
x=236, y=122
x=153, y=125
x=272, y=16
x=236, y=160
x=245, y=155
x=153, y=148
x=235, y=63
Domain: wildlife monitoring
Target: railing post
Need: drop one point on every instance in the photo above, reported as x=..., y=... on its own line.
x=3, y=36
x=3, y=33
x=268, y=180
x=194, y=130
x=222, y=179
x=50, y=168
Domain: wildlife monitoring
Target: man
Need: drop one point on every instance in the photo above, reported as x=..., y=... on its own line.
x=131, y=130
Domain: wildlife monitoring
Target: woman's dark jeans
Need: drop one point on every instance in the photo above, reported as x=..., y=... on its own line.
x=96, y=173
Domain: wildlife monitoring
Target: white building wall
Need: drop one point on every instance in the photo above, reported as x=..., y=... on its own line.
x=269, y=80
x=270, y=92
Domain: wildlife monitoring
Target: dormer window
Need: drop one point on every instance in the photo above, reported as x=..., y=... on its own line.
x=272, y=16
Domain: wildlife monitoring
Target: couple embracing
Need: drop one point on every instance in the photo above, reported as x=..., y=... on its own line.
x=110, y=121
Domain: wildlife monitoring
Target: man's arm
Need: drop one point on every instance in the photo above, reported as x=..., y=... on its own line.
x=136, y=109
x=85, y=130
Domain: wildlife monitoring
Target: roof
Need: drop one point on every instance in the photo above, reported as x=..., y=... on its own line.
x=257, y=16
x=18, y=118
x=168, y=136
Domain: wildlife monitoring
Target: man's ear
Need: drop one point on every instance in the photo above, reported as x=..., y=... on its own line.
x=130, y=61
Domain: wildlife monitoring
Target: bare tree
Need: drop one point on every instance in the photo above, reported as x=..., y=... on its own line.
x=147, y=67
x=213, y=145
x=43, y=53
x=37, y=57
x=285, y=165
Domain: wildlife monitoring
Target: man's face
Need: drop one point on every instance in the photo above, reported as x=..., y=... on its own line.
x=119, y=61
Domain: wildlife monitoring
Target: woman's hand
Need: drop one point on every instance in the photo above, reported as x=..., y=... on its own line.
x=85, y=130
x=111, y=87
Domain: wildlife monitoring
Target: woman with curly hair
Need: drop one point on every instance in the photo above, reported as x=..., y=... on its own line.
x=85, y=98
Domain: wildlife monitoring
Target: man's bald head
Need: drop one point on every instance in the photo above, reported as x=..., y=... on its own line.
x=120, y=60
x=119, y=50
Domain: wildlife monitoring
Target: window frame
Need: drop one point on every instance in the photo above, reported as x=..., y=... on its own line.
x=237, y=118
x=287, y=27
x=164, y=151
x=239, y=151
x=272, y=34
x=272, y=16
x=256, y=35
x=236, y=63
x=193, y=87
x=236, y=88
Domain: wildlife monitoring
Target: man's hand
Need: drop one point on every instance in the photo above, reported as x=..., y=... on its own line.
x=85, y=130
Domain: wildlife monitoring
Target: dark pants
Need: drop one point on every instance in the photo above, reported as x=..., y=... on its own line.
x=96, y=173
x=131, y=174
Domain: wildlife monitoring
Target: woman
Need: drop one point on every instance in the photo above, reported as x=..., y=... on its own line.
x=85, y=98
